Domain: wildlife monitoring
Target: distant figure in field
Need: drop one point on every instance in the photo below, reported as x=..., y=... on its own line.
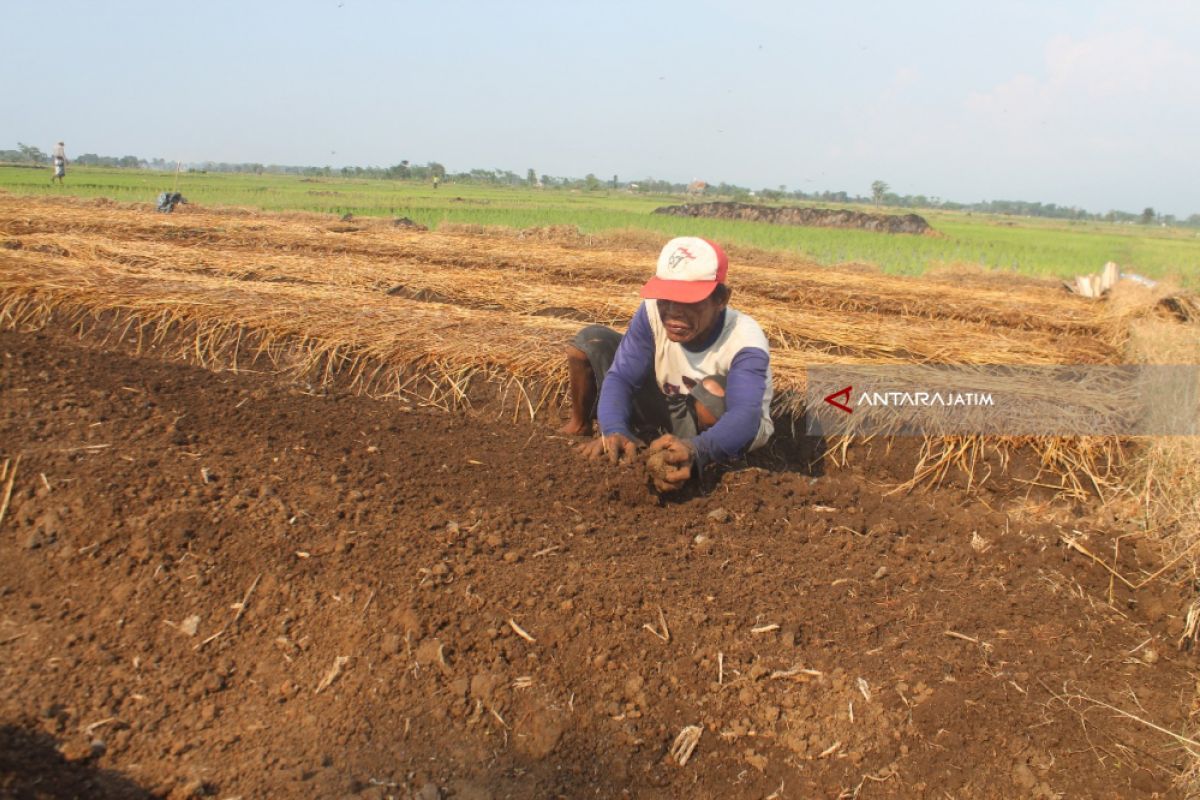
x=60, y=163
x=436, y=180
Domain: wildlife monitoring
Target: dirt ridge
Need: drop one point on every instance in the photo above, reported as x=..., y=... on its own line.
x=811, y=217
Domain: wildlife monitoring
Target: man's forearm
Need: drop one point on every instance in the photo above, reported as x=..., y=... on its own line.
x=614, y=406
x=633, y=360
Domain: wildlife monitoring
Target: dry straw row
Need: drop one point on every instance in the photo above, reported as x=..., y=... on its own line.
x=852, y=335
x=380, y=344
x=372, y=342
x=1017, y=304
x=799, y=340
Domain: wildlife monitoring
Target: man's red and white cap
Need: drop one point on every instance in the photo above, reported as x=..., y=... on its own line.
x=689, y=268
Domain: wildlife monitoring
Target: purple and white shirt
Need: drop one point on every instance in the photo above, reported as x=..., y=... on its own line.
x=737, y=350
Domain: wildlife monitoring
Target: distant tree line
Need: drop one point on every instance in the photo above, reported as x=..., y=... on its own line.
x=881, y=194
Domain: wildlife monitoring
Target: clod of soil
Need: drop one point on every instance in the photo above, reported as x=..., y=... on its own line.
x=657, y=468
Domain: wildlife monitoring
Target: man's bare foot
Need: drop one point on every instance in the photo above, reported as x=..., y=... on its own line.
x=575, y=428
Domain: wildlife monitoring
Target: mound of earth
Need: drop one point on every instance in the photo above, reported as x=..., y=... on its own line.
x=811, y=217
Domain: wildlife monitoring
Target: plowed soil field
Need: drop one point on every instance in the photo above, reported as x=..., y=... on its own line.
x=226, y=585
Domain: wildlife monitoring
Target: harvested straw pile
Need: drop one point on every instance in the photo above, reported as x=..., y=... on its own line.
x=228, y=241
x=379, y=344
x=402, y=312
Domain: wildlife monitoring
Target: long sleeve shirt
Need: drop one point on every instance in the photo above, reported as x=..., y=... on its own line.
x=736, y=350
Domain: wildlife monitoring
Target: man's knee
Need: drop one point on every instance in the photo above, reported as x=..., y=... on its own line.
x=593, y=337
x=597, y=345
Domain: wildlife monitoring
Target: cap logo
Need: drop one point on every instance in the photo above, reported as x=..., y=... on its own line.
x=677, y=258
x=688, y=270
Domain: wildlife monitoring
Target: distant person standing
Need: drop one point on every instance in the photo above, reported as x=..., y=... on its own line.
x=436, y=180
x=60, y=163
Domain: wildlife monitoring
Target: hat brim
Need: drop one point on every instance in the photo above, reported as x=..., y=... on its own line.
x=678, y=291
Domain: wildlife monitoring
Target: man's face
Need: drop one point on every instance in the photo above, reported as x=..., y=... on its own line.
x=687, y=322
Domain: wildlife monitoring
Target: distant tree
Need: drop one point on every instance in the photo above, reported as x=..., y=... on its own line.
x=729, y=190
x=878, y=190
x=30, y=153
x=591, y=182
x=1147, y=216
x=614, y=182
x=531, y=177
x=128, y=162
x=436, y=170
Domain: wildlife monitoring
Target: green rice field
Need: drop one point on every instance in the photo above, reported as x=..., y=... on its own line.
x=1017, y=244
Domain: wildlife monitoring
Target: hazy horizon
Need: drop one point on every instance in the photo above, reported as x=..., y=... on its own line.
x=1081, y=104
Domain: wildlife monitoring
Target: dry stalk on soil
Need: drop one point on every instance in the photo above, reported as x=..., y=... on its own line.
x=332, y=675
x=8, y=486
x=1079, y=703
x=519, y=631
x=665, y=633
x=240, y=609
x=685, y=744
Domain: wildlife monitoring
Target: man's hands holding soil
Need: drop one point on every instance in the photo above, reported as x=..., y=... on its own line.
x=669, y=459
x=669, y=462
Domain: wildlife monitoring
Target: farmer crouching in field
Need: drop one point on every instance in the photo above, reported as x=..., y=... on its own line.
x=690, y=371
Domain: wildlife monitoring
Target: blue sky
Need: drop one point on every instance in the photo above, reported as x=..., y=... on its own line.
x=1095, y=104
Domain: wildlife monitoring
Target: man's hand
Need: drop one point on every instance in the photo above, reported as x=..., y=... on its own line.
x=616, y=446
x=678, y=456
